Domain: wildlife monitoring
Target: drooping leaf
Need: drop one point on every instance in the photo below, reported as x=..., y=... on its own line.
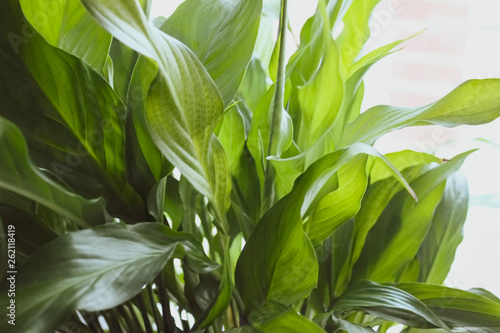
x=182, y=129
x=95, y=269
x=457, y=308
x=19, y=175
x=473, y=102
x=388, y=302
x=222, y=34
x=68, y=26
x=401, y=160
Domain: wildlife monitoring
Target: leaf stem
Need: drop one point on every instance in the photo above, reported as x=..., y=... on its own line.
x=279, y=94
x=168, y=322
x=144, y=313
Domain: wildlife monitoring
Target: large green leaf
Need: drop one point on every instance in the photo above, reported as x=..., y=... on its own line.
x=356, y=30
x=320, y=98
x=183, y=105
x=437, y=252
x=278, y=262
x=394, y=241
x=456, y=307
x=222, y=34
x=340, y=205
x=92, y=112
x=473, y=102
x=19, y=175
x=68, y=26
x=95, y=269
x=387, y=302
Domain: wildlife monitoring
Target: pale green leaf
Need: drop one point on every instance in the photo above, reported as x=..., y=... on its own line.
x=67, y=25
x=222, y=34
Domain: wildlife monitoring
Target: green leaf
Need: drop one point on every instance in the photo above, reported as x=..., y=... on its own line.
x=401, y=160
x=254, y=85
x=278, y=262
x=182, y=129
x=232, y=137
x=394, y=241
x=318, y=109
x=437, y=252
x=456, y=307
x=68, y=26
x=389, y=303
x=289, y=322
x=356, y=30
x=93, y=114
x=89, y=270
x=19, y=175
x=339, y=206
x=473, y=102
x=222, y=34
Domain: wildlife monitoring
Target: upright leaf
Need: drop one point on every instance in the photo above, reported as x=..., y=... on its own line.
x=401, y=229
x=183, y=105
x=92, y=112
x=437, y=252
x=222, y=34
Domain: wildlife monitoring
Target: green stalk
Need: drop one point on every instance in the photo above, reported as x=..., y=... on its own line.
x=168, y=321
x=144, y=313
x=279, y=94
x=279, y=100
x=154, y=308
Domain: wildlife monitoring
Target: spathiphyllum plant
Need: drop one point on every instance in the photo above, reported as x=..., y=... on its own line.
x=183, y=174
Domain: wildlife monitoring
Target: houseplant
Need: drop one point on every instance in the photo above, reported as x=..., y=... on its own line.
x=284, y=217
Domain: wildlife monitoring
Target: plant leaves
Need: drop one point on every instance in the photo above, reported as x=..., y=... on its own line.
x=387, y=302
x=473, y=102
x=387, y=250
x=456, y=307
x=222, y=34
x=339, y=206
x=19, y=175
x=95, y=269
x=93, y=113
x=437, y=252
x=68, y=26
x=289, y=322
x=182, y=130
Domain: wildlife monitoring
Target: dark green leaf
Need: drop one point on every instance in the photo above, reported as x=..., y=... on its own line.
x=19, y=175
x=456, y=307
x=95, y=269
x=389, y=303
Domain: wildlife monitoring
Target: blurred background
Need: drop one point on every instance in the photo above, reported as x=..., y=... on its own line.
x=461, y=41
